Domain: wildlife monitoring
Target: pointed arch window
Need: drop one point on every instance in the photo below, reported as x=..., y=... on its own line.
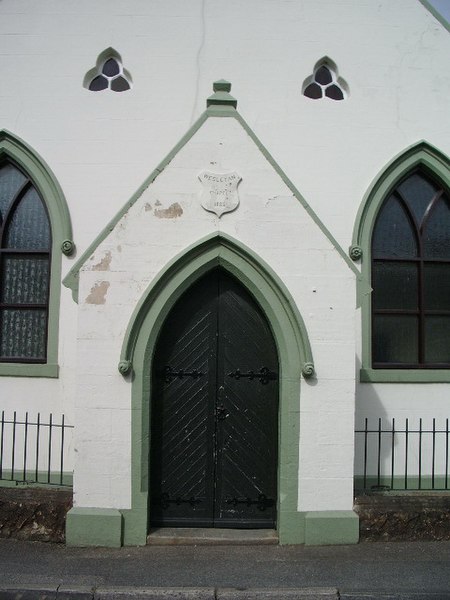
x=25, y=258
x=35, y=232
x=410, y=250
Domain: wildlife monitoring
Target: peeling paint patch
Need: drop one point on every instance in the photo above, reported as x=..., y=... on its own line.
x=172, y=212
x=148, y=206
x=98, y=293
x=104, y=264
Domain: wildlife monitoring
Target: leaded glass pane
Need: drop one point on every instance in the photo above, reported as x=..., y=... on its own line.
x=24, y=280
x=23, y=333
x=395, y=285
x=418, y=192
x=11, y=180
x=29, y=228
x=436, y=237
x=393, y=235
x=437, y=286
x=395, y=339
x=437, y=339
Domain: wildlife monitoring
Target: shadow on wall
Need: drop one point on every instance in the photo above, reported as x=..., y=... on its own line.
x=401, y=450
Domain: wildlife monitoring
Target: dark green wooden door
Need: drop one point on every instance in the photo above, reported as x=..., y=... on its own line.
x=214, y=411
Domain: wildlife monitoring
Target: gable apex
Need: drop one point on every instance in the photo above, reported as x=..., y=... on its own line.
x=222, y=107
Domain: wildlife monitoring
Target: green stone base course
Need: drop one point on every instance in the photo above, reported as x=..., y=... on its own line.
x=331, y=527
x=94, y=527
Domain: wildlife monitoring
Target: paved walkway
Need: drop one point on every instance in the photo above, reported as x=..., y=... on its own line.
x=417, y=570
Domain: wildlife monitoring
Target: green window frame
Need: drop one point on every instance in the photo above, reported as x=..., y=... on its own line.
x=420, y=160
x=15, y=151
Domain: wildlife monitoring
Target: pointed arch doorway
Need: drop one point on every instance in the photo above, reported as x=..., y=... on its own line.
x=214, y=425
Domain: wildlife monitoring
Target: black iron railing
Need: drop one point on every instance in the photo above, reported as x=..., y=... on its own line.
x=409, y=458
x=33, y=451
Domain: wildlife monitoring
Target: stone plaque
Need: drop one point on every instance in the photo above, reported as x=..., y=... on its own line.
x=219, y=191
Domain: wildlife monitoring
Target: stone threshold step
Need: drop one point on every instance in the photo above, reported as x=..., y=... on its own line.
x=193, y=536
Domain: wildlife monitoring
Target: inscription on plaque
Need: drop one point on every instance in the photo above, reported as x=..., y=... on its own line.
x=220, y=193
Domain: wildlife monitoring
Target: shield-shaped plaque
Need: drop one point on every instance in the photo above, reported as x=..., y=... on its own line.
x=219, y=191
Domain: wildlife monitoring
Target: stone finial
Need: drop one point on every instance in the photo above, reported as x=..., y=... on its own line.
x=221, y=96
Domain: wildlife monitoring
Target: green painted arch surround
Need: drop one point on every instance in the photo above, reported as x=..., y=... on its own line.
x=434, y=163
x=16, y=150
x=294, y=355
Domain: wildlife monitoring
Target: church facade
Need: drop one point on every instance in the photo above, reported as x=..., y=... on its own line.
x=225, y=247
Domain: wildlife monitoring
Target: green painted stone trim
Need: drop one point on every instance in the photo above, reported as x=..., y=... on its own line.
x=404, y=376
x=213, y=250
x=94, y=527
x=51, y=371
x=437, y=165
x=221, y=109
x=437, y=15
x=10, y=479
x=45, y=182
x=331, y=527
x=293, y=350
x=221, y=94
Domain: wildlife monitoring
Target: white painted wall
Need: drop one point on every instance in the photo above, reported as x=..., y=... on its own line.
x=273, y=223
x=101, y=146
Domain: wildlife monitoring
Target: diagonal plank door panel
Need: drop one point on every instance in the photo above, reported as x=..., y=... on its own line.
x=214, y=436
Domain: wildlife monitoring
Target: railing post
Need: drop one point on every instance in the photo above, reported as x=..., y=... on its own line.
x=392, y=453
x=25, y=448
x=50, y=424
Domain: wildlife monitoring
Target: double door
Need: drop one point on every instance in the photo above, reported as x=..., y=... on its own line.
x=214, y=411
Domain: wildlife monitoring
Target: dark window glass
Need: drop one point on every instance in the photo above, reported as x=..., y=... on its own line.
x=411, y=277
x=334, y=92
x=418, y=193
x=23, y=334
x=437, y=339
x=111, y=68
x=25, y=245
x=393, y=234
x=120, y=84
x=395, y=285
x=11, y=181
x=323, y=76
x=395, y=339
x=437, y=286
x=25, y=280
x=436, y=231
x=29, y=227
x=313, y=91
x=98, y=83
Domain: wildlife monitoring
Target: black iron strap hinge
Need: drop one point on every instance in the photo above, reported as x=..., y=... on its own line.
x=265, y=375
x=165, y=501
x=261, y=502
x=170, y=374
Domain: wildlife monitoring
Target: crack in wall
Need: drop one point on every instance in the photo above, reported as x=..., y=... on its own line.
x=197, y=60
